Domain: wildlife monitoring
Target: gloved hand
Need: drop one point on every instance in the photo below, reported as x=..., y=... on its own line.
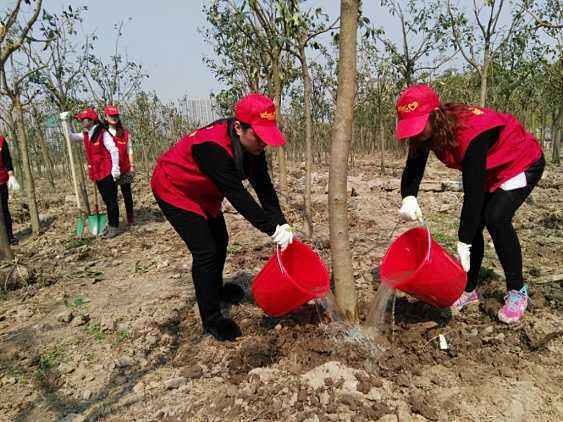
x=410, y=209
x=64, y=115
x=464, y=254
x=283, y=236
x=115, y=173
x=13, y=184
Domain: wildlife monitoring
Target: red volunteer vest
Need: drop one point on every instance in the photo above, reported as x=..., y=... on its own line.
x=98, y=157
x=3, y=172
x=121, y=144
x=178, y=180
x=514, y=151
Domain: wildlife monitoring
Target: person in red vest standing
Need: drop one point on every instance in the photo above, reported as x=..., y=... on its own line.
x=7, y=182
x=192, y=178
x=500, y=163
x=123, y=143
x=103, y=161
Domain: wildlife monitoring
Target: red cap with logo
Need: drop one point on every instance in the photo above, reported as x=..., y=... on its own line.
x=111, y=110
x=88, y=113
x=414, y=106
x=260, y=113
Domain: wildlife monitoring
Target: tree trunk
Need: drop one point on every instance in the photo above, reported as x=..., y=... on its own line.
x=307, y=92
x=277, y=86
x=484, y=73
x=16, y=150
x=341, y=139
x=46, y=155
x=557, y=134
x=382, y=143
x=26, y=166
x=79, y=190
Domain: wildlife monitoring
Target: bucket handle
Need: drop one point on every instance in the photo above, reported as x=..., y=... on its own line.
x=278, y=256
x=424, y=224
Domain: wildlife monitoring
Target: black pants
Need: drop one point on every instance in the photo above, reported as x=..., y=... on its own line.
x=498, y=210
x=207, y=241
x=127, y=198
x=108, y=191
x=7, y=217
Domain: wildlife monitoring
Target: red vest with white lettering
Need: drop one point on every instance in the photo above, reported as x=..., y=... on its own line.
x=178, y=180
x=121, y=144
x=514, y=151
x=98, y=157
x=3, y=172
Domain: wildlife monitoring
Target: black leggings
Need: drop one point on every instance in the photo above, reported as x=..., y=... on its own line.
x=108, y=191
x=127, y=197
x=7, y=217
x=207, y=241
x=498, y=210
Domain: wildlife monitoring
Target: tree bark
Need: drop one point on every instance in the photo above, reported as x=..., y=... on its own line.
x=26, y=165
x=340, y=147
x=5, y=249
x=307, y=92
x=382, y=144
x=277, y=86
x=484, y=73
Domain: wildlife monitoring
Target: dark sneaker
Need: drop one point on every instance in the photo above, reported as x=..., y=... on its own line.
x=13, y=240
x=111, y=232
x=130, y=219
x=223, y=329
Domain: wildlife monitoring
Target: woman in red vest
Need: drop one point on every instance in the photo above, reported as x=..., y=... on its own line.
x=103, y=161
x=500, y=164
x=191, y=180
x=123, y=143
x=7, y=182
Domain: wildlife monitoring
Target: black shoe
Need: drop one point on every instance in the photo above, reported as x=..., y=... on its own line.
x=13, y=240
x=223, y=329
x=232, y=294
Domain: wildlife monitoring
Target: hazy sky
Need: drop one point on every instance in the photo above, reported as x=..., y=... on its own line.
x=162, y=36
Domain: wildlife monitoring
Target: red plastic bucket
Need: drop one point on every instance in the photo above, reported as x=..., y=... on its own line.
x=290, y=279
x=419, y=266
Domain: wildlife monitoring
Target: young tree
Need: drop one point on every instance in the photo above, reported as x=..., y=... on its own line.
x=341, y=139
x=12, y=36
x=479, y=40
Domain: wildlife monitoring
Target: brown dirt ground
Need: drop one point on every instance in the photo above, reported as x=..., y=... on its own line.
x=133, y=349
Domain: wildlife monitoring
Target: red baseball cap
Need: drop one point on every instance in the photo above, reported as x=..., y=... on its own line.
x=260, y=113
x=414, y=106
x=111, y=110
x=88, y=113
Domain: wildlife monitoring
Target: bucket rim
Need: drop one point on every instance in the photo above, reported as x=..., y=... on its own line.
x=316, y=292
x=423, y=261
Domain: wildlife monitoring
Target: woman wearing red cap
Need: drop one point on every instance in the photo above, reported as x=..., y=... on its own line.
x=123, y=143
x=103, y=161
x=189, y=183
x=500, y=164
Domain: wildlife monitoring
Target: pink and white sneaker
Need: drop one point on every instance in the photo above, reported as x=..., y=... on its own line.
x=466, y=298
x=515, y=303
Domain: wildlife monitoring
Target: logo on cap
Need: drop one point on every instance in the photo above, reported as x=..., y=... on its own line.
x=407, y=108
x=268, y=115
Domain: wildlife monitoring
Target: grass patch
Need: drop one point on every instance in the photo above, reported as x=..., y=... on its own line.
x=234, y=248
x=76, y=242
x=76, y=303
x=96, y=331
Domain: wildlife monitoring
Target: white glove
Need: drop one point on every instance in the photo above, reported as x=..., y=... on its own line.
x=64, y=115
x=410, y=209
x=13, y=184
x=283, y=236
x=115, y=173
x=463, y=252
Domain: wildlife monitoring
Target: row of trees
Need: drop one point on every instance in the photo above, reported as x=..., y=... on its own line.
x=506, y=56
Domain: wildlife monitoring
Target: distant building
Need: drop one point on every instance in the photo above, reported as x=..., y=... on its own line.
x=199, y=111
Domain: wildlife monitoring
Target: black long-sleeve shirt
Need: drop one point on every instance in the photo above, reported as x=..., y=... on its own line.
x=221, y=168
x=6, y=157
x=474, y=175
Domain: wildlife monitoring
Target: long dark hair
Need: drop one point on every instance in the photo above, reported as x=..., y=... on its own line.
x=445, y=122
x=119, y=128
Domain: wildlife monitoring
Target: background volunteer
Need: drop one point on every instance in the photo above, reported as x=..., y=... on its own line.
x=7, y=182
